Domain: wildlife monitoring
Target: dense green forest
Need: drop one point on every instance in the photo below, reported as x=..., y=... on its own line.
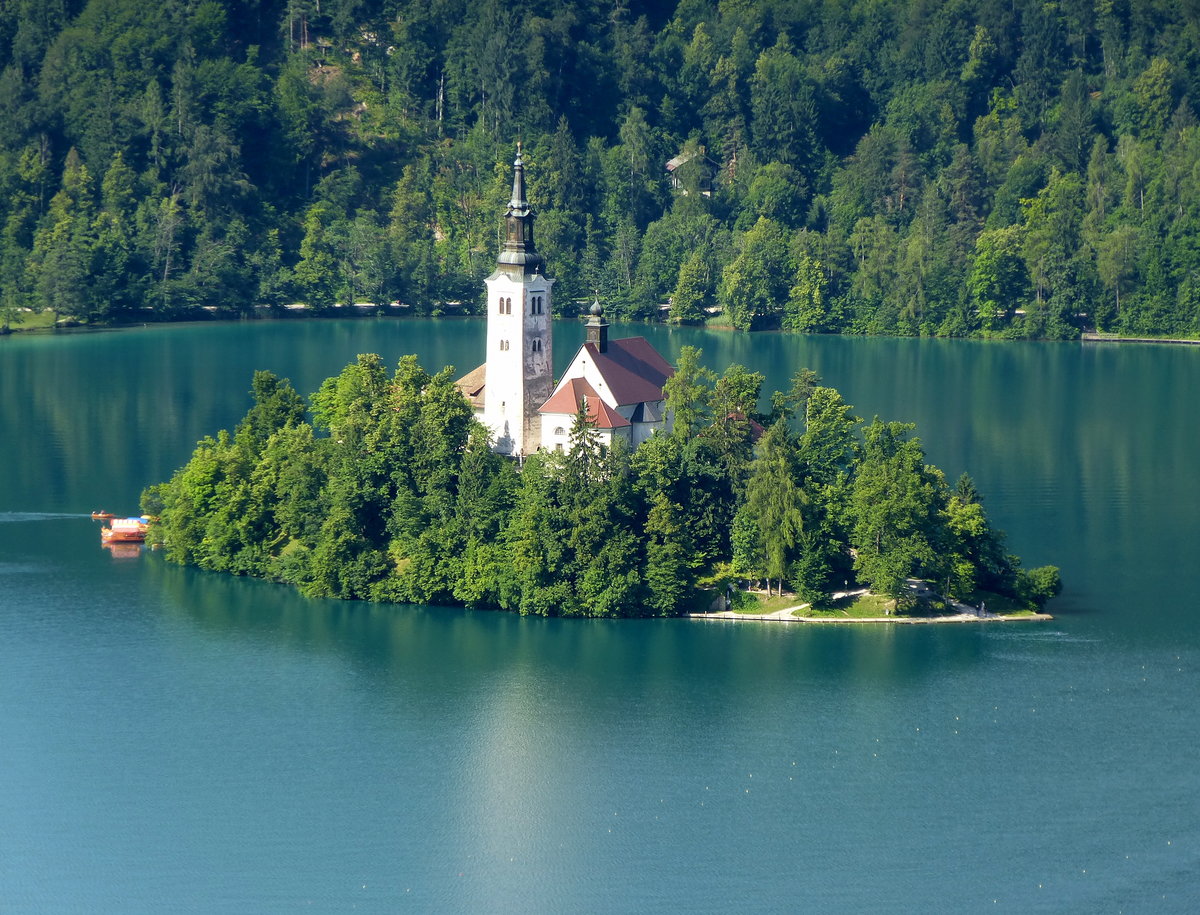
x=393, y=493
x=1000, y=167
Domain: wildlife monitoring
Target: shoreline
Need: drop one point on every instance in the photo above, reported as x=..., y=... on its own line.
x=1092, y=337
x=785, y=616
x=362, y=310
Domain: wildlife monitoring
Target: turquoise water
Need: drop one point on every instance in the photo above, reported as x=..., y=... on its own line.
x=172, y=740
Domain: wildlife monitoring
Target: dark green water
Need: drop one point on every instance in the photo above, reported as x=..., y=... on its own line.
x=176, y=741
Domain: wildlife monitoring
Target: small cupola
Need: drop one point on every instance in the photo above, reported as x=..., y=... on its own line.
x=597, y=327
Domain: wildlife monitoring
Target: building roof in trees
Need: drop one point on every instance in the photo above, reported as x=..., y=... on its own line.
x=757, y=430
x=472, y=384
x=632, y=369
x=577, y=391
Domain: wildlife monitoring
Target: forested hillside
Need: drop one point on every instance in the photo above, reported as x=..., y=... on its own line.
x=1009, y=167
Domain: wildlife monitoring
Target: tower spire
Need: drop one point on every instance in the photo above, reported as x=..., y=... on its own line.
x=519, y=254
x=518, y=204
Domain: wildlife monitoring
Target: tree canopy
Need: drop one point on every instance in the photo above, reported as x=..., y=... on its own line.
x=1022, y=169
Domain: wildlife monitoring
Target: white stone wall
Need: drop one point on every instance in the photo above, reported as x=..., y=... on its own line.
x=583, y=367
x=555, y=440
x=520, y=360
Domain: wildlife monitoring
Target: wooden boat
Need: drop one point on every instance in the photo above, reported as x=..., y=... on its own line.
x=124, y=530
x=102, y=516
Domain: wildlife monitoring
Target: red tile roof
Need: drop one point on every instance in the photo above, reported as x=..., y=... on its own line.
x=571, y=394
x=632, y=369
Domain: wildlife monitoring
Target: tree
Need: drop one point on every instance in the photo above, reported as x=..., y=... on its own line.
x=276, y=406
x=314, y=274
x=66, y=246
x=998, y=281
x=805, y=310
x=896, y=502
x=1117, y=261
x=784, y=110
x=693, y=290
x=687, y=393
x=773, y=503
x=755, y=284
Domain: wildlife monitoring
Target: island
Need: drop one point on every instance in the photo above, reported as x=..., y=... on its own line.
x=391, y=492
x=628, y=487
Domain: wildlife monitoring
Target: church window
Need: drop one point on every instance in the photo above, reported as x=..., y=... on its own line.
x=508, y=306
x=536, y=346
x=559, y=430
x=504, y=346
x=500, y=307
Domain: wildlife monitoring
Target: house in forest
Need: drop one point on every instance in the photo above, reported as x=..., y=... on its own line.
x=617, y=383
x=693, y=168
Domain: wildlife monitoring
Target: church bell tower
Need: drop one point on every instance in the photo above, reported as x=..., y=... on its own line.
x=519, y=346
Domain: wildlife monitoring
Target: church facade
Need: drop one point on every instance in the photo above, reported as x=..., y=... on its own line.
x=617, y=382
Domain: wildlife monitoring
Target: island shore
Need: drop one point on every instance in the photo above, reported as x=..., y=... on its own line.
x=906, y=620
x=787, y=615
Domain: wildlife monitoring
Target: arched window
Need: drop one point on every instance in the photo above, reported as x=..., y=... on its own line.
x=500, y=307
x=508, y=306
x=536, y=346
x=559, y=430
x=504, y=346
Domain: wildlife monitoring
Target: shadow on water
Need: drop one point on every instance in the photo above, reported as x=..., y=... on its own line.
x=594, y=656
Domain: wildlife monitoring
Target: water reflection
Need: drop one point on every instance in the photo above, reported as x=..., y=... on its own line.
x=668, y=660
x=123, y=550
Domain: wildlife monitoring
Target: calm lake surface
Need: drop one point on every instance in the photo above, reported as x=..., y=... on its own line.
x=178, y=741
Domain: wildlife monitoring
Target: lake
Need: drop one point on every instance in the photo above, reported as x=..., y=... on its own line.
x=172, y=740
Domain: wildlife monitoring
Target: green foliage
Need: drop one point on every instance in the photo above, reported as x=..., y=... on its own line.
x=755, y=284
x=897, y=169
x=896, y=500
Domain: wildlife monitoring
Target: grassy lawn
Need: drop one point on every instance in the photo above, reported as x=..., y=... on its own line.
x=874, y=606
x=866, y=606
x=32, y=320
x=763, y=604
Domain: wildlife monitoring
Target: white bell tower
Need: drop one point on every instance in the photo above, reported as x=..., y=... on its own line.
x=519, y=360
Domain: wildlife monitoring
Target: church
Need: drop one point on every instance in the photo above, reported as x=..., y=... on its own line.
x=619, y=383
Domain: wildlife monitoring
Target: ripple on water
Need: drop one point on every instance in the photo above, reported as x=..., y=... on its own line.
x=22, y=517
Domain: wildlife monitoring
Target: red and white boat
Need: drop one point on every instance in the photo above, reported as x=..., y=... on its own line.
x=124, y=530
